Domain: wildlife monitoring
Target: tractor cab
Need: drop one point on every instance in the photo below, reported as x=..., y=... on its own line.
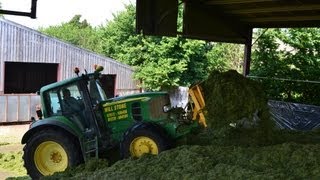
x=74, y=99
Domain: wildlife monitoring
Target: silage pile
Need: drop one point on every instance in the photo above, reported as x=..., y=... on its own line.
x=253, y=149
x=232, y=99
x=283, y=161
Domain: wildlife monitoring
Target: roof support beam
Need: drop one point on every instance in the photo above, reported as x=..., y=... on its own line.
x=17, y=13
x=276, y=9
x=31, y=14
x=225, y=28
x=247, y=54
x=157, y=17
x=224, y=20
x=222, y=2
x=284, y=19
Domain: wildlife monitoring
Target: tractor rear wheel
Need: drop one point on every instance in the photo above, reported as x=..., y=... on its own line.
x=143, y=141
x=50, y=151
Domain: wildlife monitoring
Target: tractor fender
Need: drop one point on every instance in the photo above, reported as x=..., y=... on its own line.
x=148, y=126
x=51, y=123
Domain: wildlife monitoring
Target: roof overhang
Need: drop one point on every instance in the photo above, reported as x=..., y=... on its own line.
x=224, y=20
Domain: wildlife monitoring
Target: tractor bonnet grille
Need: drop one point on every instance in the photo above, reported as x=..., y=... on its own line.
x=136, y=111
x=156, y=106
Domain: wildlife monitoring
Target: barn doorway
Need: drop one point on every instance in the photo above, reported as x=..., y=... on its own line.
x=108, y=82
x=28, y=77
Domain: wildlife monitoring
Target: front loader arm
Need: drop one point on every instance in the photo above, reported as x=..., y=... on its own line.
x=195, y=93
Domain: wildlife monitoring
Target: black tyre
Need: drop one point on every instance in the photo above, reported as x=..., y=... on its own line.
x=141, y=141
x=49, y=151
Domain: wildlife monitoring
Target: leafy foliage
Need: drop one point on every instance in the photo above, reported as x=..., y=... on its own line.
x=160, y=62
x=290, y=54
x=224, y=56
x=77, y=32
x=1, y=15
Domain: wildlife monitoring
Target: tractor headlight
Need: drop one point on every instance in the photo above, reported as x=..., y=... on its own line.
x=166, y=108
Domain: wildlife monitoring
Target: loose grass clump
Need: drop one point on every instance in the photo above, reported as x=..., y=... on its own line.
x=84, y=170
x=4, y=143
x=12, y=162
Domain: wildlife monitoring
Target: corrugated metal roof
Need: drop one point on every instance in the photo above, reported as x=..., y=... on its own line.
x=43, y=37
x=22, y=44
x=224, y=20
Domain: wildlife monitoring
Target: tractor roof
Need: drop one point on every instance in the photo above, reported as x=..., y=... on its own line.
x=66, y=81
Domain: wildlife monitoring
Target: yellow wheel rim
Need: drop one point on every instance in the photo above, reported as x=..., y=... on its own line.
x=50, y=157
x=143, y=145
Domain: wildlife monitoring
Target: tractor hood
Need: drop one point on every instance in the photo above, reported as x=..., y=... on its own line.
x=137, y=96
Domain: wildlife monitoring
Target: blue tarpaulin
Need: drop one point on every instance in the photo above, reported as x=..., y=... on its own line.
x=295, y=116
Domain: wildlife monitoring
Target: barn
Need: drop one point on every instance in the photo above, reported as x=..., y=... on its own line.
x=30, y=60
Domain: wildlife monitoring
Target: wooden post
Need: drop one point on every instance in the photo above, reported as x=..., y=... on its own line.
x=247, y=54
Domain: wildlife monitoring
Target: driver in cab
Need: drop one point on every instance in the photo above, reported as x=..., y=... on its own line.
x=70, y=104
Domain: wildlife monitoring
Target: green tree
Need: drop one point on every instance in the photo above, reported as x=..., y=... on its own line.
x=284, y=56
x=225, y=56
x=77, y=32
x=1, y=15
x=160, y=62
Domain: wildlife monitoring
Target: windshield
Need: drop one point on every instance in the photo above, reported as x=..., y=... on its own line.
x=96, y=92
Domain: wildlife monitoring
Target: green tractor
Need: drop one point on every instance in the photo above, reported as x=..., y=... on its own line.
x=77, y=122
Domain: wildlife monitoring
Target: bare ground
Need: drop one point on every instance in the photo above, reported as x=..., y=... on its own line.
x=13, y=133
x=4, y=175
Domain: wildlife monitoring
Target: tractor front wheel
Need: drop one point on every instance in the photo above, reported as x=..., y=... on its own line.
x=143, y=141
x=50, y=151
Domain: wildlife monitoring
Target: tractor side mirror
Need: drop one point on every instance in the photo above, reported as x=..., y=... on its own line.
x=39, y=112
x=32, y=119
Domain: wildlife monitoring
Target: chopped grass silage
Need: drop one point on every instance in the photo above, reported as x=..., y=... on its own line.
x=254, y=150
x=282, y=161
x=4, y=143
x=232, y=98
x=12, y=162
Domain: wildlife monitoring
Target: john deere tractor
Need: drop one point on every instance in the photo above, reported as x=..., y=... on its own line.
x=77, y=122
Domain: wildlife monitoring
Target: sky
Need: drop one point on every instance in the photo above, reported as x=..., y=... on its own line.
x=54, y=12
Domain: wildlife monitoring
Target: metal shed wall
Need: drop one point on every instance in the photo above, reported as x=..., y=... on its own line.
x=22, y=44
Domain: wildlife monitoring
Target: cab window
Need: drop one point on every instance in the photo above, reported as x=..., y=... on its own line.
x=53, y=105
x=71, y=99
